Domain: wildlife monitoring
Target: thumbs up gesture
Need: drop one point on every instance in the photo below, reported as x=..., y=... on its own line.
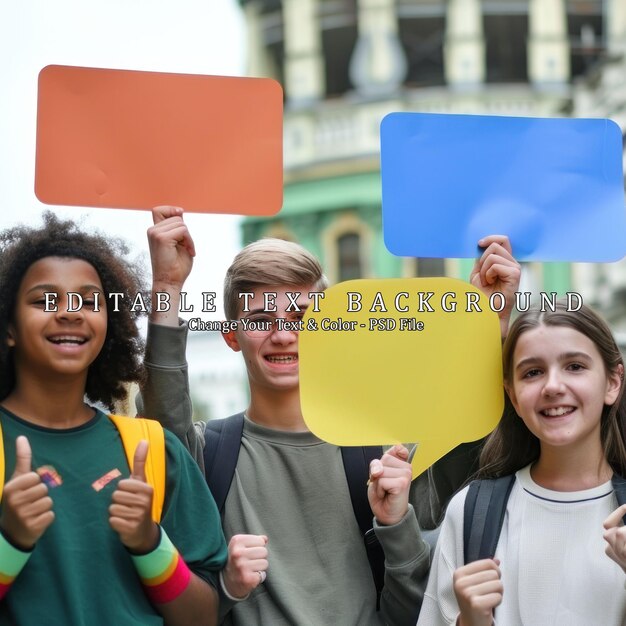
x=130, y=511
x=26, y=505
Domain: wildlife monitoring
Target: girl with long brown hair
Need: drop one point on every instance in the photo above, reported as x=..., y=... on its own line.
x=563, y=437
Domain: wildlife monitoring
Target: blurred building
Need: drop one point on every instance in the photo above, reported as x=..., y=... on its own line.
x=217, y=376
x=344, y=64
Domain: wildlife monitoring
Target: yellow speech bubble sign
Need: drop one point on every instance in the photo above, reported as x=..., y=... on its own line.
x=402, y=360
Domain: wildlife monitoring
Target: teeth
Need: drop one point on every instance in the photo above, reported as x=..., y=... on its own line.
x=68, y=339
x=557, y=411
x=281, y=359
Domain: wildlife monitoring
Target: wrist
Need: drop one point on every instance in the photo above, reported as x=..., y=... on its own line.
x=163, y=572
x=233, y=596
x=22, y=546
x=391, y=519
x=147, y=545
x=12, y=561
x=464, y=621
x=167, y=317
x=165, y=302
x=165, y=286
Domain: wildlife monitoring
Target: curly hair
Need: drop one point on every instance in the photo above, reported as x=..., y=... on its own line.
x=120, y=360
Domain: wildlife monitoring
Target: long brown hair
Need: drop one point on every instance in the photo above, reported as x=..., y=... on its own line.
x=511, y=445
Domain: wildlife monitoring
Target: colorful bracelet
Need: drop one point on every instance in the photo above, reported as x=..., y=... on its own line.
x=163, y=572
x=12, y=560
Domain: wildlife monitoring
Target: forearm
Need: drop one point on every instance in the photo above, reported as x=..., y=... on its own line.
x=165, y=393
x=226, y=602
x=407, y=559
x=198, y=604
x=179, y=594
x=165, y=303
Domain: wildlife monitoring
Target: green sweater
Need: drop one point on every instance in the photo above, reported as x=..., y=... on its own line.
x=79, y=572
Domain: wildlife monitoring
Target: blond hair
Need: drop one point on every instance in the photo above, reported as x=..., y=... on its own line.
x=270, y=262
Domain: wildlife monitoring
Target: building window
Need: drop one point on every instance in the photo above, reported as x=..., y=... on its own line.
x=585, y=28
x=422, y=40
x=338, y=24
x=421, y=29
x=349, y=256
x=506, y=33
x=272, y=27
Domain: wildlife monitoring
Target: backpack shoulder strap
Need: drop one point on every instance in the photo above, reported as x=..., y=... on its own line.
x=619, y=486
x=356, y=463
x=132, y=430
x=483, y=516
x=222, y=441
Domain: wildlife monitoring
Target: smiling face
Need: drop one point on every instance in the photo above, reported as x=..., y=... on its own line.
x=48, y=344
x=272, y=356
x=559, y=385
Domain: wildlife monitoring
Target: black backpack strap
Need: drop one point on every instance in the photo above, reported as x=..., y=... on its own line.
x=356, y=463
x=483, y=516
x=222, y=441
x=619, y=486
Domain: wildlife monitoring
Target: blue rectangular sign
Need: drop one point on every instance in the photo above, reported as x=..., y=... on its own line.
x=554, y=186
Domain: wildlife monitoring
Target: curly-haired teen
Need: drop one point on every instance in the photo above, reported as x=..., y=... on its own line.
x=563, y=436
x=120, y=360
x=77, y=543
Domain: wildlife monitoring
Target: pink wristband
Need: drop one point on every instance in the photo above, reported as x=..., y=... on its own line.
x=163, y=572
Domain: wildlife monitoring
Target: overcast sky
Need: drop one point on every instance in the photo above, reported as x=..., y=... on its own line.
x=188, y=36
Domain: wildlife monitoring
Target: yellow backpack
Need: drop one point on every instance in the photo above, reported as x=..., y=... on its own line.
x=132, y=430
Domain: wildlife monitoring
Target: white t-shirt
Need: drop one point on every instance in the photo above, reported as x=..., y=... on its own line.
x=554, y=568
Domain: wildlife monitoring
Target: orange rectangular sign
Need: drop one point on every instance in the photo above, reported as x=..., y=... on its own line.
x=134, y=140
